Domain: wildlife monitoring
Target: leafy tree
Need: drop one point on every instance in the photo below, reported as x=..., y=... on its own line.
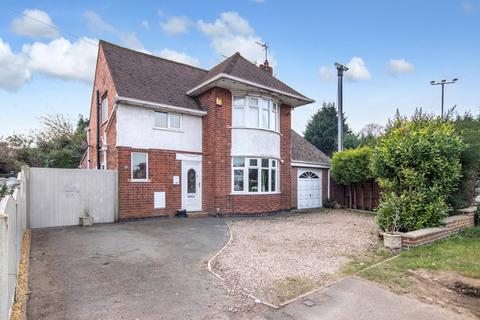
x=56, y=144
x=469, y=127
x=322, y=130
x=417, y=164
x=369, y=134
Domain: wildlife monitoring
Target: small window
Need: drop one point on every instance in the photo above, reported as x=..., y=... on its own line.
x=139, y=166
x=253, y=111
x=161, y=120
x=253, y=162
x=238, y=180
x=175, y=120
x=308, y=175
x=191, y=181
x=238, y=101
x=238, y=162
x=104, y=110
x=238, y=116
x=253, y=180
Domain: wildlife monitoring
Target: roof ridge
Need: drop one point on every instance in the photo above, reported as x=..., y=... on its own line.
x=151, y=55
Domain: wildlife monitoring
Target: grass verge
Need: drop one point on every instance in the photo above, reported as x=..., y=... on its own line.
x=459, y=254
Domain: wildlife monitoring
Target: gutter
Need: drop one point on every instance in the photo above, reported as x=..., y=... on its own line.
x=192, y=91
x=158, y=106
x=309, y=164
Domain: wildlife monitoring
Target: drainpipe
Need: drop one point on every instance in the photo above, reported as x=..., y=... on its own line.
x=328, y=184
x=98, y=130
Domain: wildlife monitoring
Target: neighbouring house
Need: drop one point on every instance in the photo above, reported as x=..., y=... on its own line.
x=218, y=141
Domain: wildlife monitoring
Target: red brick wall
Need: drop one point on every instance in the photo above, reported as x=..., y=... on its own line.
x=104, y=84
x=136, y=198
x=217, y=161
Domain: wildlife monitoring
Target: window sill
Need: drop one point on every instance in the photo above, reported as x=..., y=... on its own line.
x=140, y=180
x=253, y=193
x=167, y=129
x=253, y=128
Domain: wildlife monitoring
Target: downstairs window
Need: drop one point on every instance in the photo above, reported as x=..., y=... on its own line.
x=254, y=175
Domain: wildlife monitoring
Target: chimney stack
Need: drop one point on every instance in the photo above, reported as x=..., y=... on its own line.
x=266, y=67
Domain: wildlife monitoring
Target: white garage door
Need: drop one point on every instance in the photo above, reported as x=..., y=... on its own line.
x=309, y=192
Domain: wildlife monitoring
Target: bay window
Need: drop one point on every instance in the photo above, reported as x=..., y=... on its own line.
x=254, y=175
x=255, y=112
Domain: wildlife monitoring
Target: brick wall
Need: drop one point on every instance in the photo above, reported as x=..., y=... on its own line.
x=451, y=225
x=217, y=161
x=136, y=198
x=104, y=84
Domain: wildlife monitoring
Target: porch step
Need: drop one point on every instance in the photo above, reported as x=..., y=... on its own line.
x=197, y=214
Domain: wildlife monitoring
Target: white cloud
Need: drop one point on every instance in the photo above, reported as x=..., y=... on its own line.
x=96, y=24
x=327, y=73
x=467, y=7
x=231, y=33
x=179, y=57
x=14, y=71
x=357, y=70
x=63, y=59
x=35, y=24
x=258, y=1
x=400, y=66
x=176, y=25
x=145, y=24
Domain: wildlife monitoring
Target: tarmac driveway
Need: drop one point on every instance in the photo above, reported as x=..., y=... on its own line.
x=150, y=269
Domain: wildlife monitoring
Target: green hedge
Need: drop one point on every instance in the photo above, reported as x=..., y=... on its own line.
x=351, y=166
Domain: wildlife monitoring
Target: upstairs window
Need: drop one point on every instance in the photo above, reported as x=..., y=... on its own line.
x=104, y=110
x=255, y=112
x=168, y=120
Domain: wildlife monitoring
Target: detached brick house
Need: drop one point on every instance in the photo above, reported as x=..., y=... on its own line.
x=218, y=141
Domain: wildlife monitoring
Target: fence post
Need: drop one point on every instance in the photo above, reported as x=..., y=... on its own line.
x=4, y=298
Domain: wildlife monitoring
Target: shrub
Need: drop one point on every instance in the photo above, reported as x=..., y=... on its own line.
x=351, y=166
x=417, y=165
x=469, y=127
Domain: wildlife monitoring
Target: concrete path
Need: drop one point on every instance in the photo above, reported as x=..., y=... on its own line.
x=150, y=269
x=357, y=299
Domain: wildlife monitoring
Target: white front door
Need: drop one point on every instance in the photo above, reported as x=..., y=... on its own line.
x=309, y=189
x=192, y=185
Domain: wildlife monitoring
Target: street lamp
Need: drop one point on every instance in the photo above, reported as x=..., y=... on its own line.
x=340, y=68
x=443, y=83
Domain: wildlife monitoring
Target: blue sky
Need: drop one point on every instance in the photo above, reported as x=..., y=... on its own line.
x=394, y=49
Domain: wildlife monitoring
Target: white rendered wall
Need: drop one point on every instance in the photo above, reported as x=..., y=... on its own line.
x=255, y=142
x=135, y=128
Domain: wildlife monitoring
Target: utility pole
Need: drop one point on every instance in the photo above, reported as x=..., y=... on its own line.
x=340, y=68
x=443, y=83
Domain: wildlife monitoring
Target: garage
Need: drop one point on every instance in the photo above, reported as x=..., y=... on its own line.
x=310, y=174
x=309, y=188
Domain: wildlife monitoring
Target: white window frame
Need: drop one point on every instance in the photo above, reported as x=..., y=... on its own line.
x=275, y=127
x=169, y=124
x=259, y=168
x=131, y=167
x=104, y=110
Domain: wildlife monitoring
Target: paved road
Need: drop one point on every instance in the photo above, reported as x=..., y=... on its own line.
x=357, y=299
x=151, y=269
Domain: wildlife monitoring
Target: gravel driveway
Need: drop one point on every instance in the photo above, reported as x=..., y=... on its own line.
x=279, y=258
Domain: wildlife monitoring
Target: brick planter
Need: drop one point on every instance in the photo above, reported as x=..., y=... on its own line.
x=450, y=225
